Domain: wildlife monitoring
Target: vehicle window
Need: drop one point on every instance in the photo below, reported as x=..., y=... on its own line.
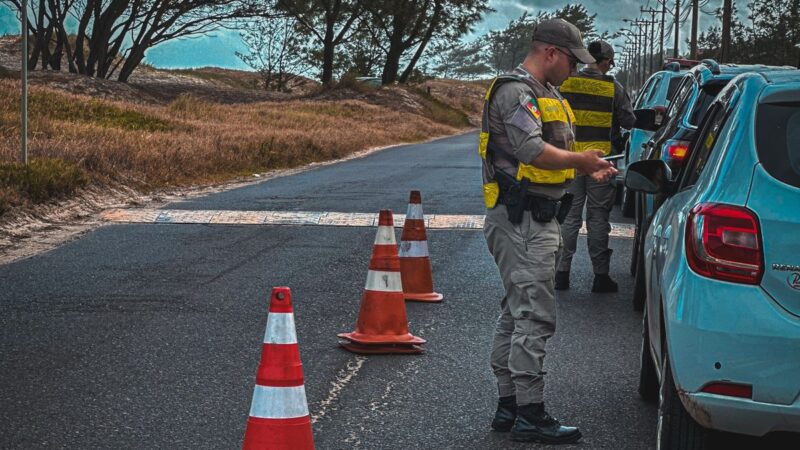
x=673, y=86
x=704, y=143
x=654, y=90
x=643, y=93
x=704, y=99
x=778, y=140
x=680, y=97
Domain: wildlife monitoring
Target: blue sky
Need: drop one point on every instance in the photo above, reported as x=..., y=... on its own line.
x=219, y=48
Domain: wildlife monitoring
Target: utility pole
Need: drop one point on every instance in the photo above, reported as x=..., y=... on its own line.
x=653, y=23
x=677, y=27
x=24, y=103
x=663, y=25
x=727, y=11
x=693, y=42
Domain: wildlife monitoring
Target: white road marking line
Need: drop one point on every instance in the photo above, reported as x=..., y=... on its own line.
x=432, y=221
x=342, y=378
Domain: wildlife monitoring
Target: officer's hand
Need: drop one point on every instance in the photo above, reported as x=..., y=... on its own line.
x=601, y=176
x=592, y=162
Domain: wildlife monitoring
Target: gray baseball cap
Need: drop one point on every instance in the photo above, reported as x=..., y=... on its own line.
x=563, y=34
x=601, y=50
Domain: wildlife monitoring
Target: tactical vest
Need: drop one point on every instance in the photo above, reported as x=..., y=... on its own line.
x=593, y=100
x=497, y=152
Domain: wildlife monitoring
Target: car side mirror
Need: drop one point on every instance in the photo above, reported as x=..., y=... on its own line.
x=647, y=119
x=652, y=176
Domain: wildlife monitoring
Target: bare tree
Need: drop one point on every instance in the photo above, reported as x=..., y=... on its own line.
x=113, y=35
x=273, y=51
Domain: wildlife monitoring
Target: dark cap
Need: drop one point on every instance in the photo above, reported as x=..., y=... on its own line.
x=563, y=34
x=601, y=50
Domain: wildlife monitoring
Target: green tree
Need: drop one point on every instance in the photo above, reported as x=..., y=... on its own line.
x=330, y=23
x=506, y=48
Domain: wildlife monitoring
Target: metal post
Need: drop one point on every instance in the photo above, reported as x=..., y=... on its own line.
x=677, y=27
x=663, y=25
x=693, y=40
x=726, y=30
x=24, y=102
x=651, y=59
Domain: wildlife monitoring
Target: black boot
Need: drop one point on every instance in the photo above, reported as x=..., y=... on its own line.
x=562, y=280
x=603, y=284
x=535, y=425
x=506, y=414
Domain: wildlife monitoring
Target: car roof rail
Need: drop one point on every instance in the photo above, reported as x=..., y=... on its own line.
x=682, y=62
x=712, y=65
x=672, y=66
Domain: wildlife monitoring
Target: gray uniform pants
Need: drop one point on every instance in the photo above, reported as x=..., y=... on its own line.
x=599, y=199
x=526, y=256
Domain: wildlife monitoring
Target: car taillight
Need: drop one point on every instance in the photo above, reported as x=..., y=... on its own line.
x=724, y=242
x=676, y=151
x=729, y=389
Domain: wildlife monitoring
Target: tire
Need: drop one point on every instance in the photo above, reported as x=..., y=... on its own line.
x=639, y=286
x=676, y=428
x=618, y=193
x=648, y=379
x=628, y=209
x=635, y=252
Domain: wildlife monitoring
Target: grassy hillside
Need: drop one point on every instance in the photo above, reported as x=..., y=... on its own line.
x=181, y=139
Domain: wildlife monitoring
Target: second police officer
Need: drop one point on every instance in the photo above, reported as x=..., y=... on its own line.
x=601, y=109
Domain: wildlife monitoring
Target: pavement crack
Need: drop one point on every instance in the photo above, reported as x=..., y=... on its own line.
x=342, y=379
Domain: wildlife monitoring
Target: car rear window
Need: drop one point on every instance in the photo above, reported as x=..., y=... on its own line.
x=704, y=99
x=778, y=140
x=673, y=86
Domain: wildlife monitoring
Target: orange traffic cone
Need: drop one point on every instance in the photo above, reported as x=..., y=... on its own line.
x=415, y=262
x=279, y=416
x=382, y=325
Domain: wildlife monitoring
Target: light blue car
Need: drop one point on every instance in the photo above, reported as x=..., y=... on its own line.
x=654, y=95
x=721, y=338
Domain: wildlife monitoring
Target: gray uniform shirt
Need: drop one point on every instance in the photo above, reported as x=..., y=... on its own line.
x=512, y=125
x=508, y=116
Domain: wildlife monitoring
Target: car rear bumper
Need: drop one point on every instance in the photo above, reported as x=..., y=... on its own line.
x=720, y=332
x=741, y=415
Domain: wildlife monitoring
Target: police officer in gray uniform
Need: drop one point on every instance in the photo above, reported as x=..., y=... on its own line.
x=602, y=108
x=526, y=145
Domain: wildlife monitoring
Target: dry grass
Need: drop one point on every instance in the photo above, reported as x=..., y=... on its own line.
x=192, y=141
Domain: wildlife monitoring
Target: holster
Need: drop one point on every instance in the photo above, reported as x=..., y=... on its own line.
x=514, y=195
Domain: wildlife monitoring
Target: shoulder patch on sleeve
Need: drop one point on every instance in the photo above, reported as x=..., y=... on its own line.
x=531, y=105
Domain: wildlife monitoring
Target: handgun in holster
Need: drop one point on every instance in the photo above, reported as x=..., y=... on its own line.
x=514, y=195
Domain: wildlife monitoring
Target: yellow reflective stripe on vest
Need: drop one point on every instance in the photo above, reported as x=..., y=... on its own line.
x=483, y=143
x=583, y=85
x=569, y=111
x=585, y=118
x=604, y=146
x=552, y=110
x=489, y=91
x=491, y=191
x=540, y=176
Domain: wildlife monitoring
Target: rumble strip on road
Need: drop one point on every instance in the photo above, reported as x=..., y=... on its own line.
x=181, y=216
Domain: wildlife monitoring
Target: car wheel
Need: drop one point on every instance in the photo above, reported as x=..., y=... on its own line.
x=639, y=286
x=648, y=379
x=627, y=208
x=676, y=428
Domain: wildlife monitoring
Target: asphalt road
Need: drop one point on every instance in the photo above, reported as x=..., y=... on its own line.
x=148, y=336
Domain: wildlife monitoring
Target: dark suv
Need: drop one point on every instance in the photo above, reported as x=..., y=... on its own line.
x=672, y=139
